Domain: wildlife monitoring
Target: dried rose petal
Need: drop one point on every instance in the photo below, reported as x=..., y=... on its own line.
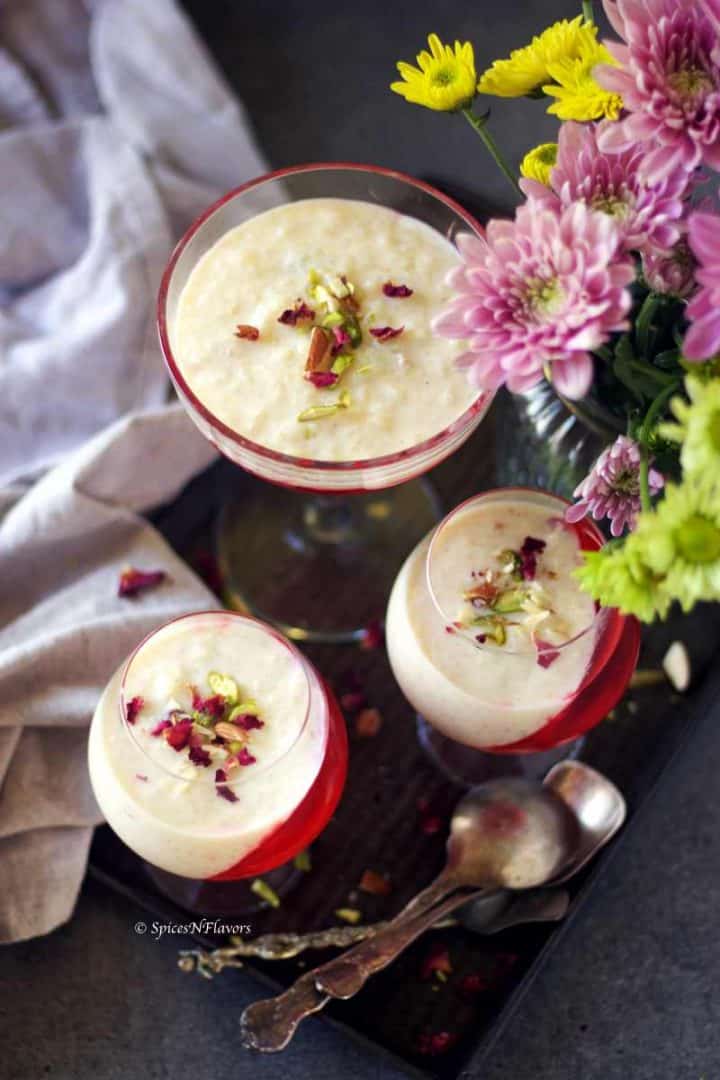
x=226, y=793
x=249, y=333
x=292, y=316
x=438, y=1043
x=178, y=735
x=248, y=722
x=397, y=291
x=211, y=706
x=431, y=824
x=244, y=757
x=531, y=548
x=385, y=333
x=353, y=701
x=141, y=776
x=321, y=379
x=546, y=654
x=220, y=776
x=199, y=756
x=372, y=636
x=374, y=883
x=134, y=581
x=368, y=723
x=437, y=959
x=132, y=709
x=162, y=725
x=481, y=638
x=342, y=338
x=473, y=984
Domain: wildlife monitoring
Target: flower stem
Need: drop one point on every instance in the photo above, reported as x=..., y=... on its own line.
x=651, y=416
x=479, y=125
x=587, y=10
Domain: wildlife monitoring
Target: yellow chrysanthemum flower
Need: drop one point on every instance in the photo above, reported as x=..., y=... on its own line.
x=526, y=69
x=444, y=79
x=539, y=162
x=578, y=95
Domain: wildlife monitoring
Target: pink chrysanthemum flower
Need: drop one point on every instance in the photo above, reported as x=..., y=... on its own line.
x=612, y=487
x=702, y=340
x=540, y=292
x=669, y=80
x=671, y=272
x=648, y=215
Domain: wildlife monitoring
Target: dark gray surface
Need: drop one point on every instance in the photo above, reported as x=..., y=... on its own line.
x=631, y=994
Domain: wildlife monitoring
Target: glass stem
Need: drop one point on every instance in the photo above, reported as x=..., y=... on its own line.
x=651, y=416
x=479, y=125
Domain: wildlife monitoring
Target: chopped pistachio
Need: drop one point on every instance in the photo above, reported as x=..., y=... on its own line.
x=510, y=600
x=265, y=892
x=223, y=685
x=334, y=318
x=243, y=709
x=319, y=412
x=511, y=563
x=365, y=369
x=341, y=363
x=491, y=627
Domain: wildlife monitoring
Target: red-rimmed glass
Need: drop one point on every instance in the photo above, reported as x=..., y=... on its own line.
x=608, y=672
x=266, y=536
x=225, y=890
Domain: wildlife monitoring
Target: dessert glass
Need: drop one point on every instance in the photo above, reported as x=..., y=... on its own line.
x=339, y=527
x=203, y=833
x=487, y=709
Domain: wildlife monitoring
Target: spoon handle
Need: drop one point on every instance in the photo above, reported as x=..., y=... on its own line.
x=269, y=1025
x=344, y=976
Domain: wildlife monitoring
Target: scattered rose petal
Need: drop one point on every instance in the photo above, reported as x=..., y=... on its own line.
x=342, y=338
x=226, y=793
x=178, y=735
x=141, y=776
x=162, y=725
x=473, y=984
x=220, y=776
x=396, y=291
x=435, y=1044
x=375, y=884
x=372, y=636
x=244, y=757
x=199, y=756
x=437, y=960
x=249, y=333
x=132, y=709
x=292, y=316
x=321, y=379
x=531, y=548
x=385, y=333
x=134, y=581
x=368, y=723
x=481, y=638
x=353, y=701
x=431, y=824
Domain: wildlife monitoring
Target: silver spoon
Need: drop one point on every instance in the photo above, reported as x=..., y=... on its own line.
x=510, y=833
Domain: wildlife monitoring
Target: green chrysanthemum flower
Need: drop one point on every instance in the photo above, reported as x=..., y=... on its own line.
x=680, y=542
x=618, y=576
x=697, y=429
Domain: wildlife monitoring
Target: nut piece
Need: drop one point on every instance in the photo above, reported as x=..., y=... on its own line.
x=676, y=663
x=230, y=732
x=319, y=357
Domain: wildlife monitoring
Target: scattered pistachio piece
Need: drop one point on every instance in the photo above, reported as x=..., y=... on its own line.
x=646, y=677
x=243, y=708
x=349, y=915
x=510, y=600
x=265, y=892
x=302, y=861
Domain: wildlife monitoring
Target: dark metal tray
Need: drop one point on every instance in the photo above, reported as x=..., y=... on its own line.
x=391, y=790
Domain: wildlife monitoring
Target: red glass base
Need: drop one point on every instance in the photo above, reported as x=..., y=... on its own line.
x=313, y=813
